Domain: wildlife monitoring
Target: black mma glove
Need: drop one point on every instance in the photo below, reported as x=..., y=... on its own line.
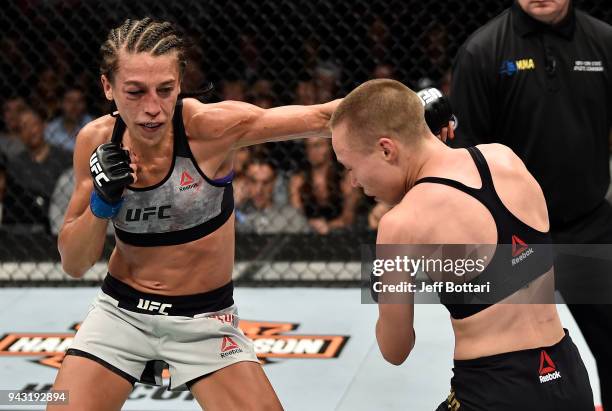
x=110, y=170
x=438, y=111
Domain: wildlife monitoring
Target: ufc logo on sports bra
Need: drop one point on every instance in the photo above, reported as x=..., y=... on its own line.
x=143, y=214
x=94, y=164
x=149, y=305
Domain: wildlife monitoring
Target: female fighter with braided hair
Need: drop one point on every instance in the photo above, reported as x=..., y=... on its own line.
x=160, y=169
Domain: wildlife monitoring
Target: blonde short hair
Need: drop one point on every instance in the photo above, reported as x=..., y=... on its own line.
x=382, y=107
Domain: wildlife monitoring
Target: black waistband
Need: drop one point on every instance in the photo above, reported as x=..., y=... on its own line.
x=156, y=304
x=496, y=359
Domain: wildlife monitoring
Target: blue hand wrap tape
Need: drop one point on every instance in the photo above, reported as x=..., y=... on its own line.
x=101, y=208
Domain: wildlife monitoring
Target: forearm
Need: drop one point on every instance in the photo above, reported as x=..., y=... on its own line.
x=81, y=242
x=288, y=123
x=310, y=121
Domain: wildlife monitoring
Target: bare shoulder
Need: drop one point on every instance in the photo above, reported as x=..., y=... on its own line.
x=96, y=132
x=404, y=223
x=517, y=188
x=500, y=156
x=212, y=121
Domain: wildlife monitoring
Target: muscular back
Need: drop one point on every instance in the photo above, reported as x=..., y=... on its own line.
x=440, y=214
x=459, y=218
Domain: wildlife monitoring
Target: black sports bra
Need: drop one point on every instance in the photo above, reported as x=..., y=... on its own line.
x=510, y=269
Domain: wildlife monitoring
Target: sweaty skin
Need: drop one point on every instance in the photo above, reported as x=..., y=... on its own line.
x=428, y=214
x=214, y=132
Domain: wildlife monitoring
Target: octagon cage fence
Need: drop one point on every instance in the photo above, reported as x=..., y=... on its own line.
x=267, y=53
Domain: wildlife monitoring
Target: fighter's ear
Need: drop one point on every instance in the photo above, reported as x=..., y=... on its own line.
x=107, y=87
x=387, y=147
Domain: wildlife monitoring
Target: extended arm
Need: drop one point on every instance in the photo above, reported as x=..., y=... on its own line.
x=239, y=124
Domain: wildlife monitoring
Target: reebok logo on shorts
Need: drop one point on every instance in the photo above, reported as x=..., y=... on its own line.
x=520, y=250
x=229, y=347
x=548, y=371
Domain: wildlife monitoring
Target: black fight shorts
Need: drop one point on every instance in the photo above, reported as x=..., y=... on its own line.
x=541, y=379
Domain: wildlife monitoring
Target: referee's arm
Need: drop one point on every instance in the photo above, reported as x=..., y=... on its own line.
x=471, y=97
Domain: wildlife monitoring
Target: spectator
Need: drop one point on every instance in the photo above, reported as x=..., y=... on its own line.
x=434, y=46
x=383, y=70
x=311, y=50
x=60, y=57
x=241, y=159
x=261, y=214
x=31, y=175
x=262, y=87
x=16, y=67
x=233, y=90
x=322, y=192
x=379, y=39
x=263, y=100
x=194, y=77
x=10, y=144
x=327, y=79
x=537, y=79
x=249, y=55
x=46, y=94
x=2, y=183
x=62, y=130
x=306, y=93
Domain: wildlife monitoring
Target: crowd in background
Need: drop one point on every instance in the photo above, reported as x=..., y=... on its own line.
x=291, y=187
x=295, y=186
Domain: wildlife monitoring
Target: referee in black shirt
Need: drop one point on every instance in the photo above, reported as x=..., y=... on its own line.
x=538, y=78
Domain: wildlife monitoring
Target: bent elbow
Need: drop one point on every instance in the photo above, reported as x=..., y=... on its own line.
x=396, y=357
x=397, y=353
x=72, y=267
x=72, y=264
x=73, y=270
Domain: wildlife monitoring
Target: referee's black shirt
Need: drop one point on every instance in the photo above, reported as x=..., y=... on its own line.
x=546, y=92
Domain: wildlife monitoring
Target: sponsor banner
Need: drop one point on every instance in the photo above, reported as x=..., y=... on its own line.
x=296, y=336
x=269, y=340
x=294, y=343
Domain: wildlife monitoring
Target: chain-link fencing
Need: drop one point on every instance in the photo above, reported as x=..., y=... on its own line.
x=267, y=53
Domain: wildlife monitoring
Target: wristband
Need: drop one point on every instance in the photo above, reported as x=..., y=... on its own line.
x=101, y=208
